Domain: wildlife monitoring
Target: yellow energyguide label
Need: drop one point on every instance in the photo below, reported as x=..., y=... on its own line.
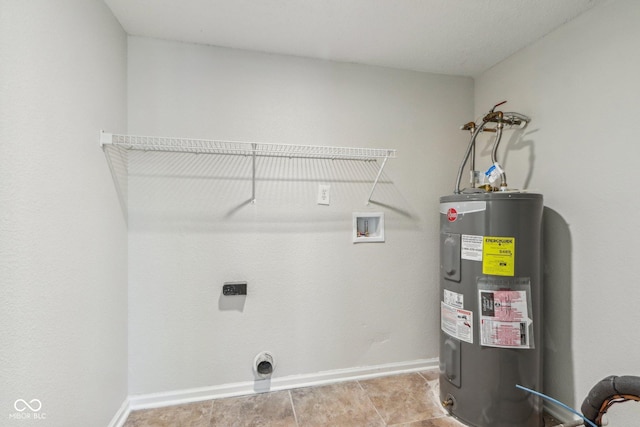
x=498, y=255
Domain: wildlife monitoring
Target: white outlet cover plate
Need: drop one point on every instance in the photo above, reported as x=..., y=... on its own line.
x=324, y=194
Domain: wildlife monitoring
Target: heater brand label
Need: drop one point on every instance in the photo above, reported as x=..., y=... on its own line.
x=452, y=214
x=458, y=210
x=498, y=256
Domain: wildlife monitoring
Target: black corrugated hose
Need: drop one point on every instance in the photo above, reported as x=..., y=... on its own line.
x=610, y=390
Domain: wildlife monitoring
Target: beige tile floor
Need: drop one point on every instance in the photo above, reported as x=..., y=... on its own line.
x=406, y=400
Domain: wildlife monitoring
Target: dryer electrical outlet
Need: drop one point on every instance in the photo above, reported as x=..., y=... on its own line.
x=234, y=288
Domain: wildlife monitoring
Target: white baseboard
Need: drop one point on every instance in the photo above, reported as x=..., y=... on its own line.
x=178, y=397
x=121, y=416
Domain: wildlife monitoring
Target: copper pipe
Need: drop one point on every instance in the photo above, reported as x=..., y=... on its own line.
x=496, y=117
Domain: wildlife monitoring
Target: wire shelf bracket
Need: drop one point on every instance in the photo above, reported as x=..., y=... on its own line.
x=115, y=145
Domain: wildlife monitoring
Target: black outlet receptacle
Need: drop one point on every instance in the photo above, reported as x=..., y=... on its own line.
x=234, y=288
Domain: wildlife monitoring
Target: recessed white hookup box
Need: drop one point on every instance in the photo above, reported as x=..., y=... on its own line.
x=368, y=227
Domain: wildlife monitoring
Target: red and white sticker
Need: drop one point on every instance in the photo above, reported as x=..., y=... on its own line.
x=452, y=214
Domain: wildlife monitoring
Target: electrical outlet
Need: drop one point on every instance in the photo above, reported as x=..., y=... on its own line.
x=323, y=194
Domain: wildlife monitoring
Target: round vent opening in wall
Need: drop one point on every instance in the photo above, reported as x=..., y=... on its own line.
x=263, y=365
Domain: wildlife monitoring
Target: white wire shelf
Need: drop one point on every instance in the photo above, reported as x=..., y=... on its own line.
x=262, y=149
x=116, y=146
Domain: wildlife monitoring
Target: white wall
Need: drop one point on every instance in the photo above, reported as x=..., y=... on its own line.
x=316, y=300
x=62, y=236
x=580, y=85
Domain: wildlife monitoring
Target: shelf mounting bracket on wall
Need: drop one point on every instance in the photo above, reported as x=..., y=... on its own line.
x=116, y=146
x=253, y=173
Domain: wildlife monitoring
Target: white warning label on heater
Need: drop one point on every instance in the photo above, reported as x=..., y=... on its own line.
x=456, y=322
x=504, y=321
x=471, y=247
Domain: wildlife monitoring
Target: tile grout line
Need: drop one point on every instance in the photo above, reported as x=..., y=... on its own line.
x=371, y=401
x=213, y=402
x=293, y=408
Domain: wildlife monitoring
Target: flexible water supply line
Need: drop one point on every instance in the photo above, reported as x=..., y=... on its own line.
x=472, y=163
x=466, y=156
x=494, y=151
x=472, y=142
x=471, y=127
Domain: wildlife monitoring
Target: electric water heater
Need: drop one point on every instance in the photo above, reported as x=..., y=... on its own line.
x=491, y=310
x=491, y=295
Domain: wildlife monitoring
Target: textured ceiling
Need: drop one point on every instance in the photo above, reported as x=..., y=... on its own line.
x=458, y=37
